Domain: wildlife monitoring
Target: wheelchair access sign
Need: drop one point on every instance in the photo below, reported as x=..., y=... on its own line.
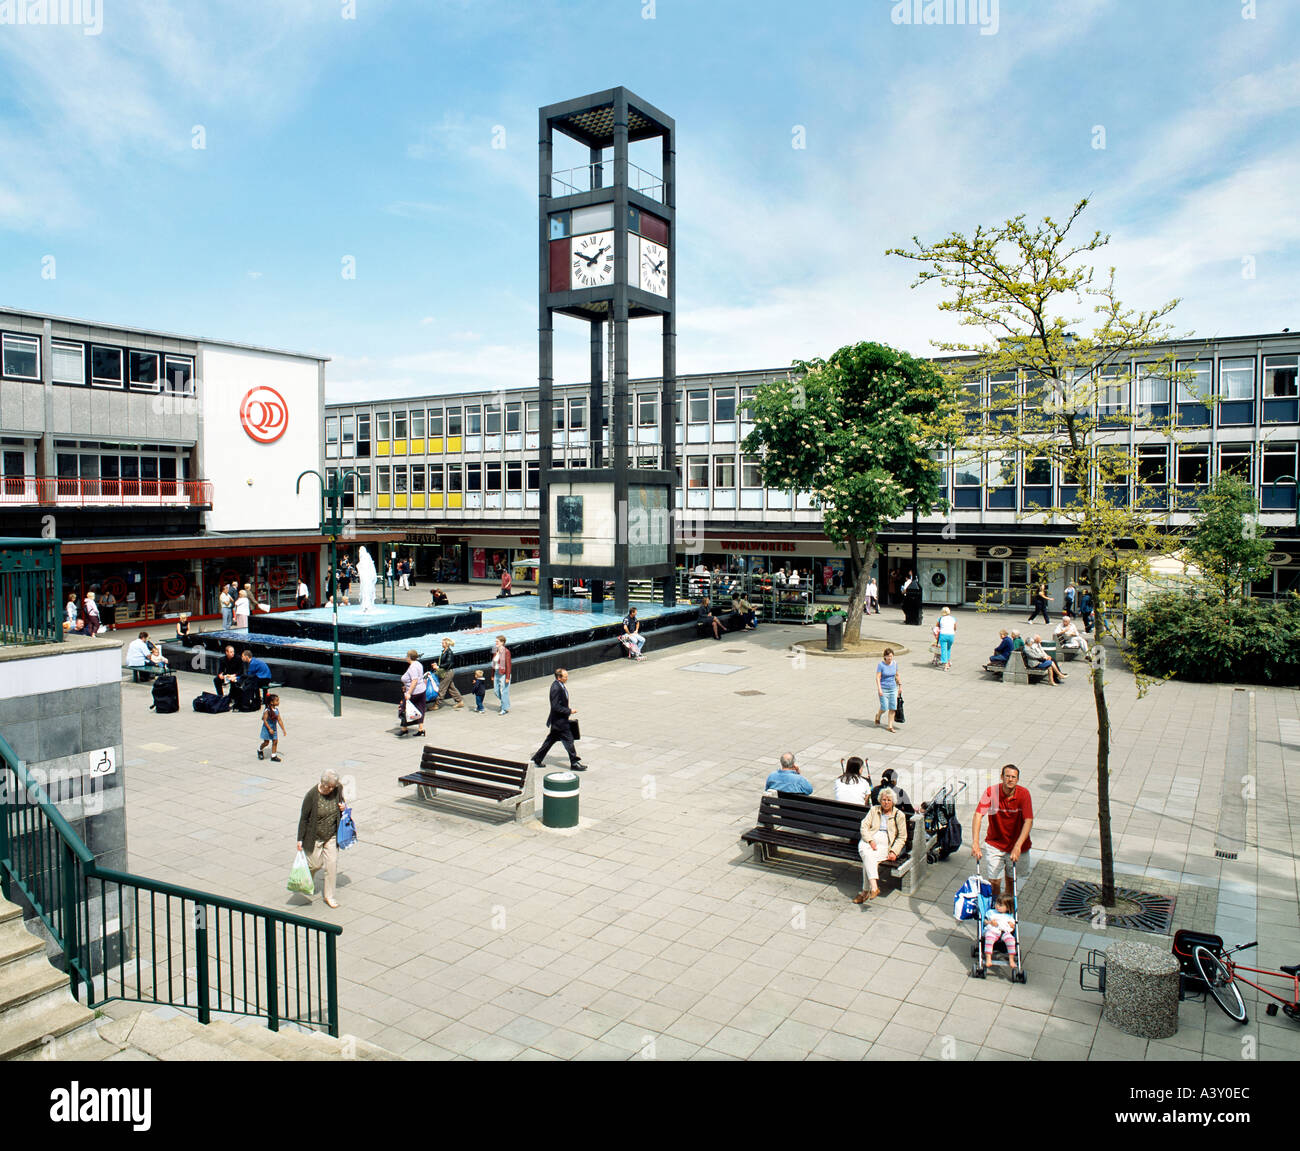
x=103, y=761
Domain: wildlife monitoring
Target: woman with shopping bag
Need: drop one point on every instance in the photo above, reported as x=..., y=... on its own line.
x=318, y=826
x=411, y=709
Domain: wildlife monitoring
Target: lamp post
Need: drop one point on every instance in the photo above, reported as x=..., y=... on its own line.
x=331, y=525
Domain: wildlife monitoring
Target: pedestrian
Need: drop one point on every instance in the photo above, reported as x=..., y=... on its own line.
x=893, y=585
x=887, y=685
x=318, y=829
x=108, y=609
x=1085, y=610
x=446, y=676
x=413, y=697
x=404, y=575
x=1068, y=602
x=93, y=622
x=71, y=610
x=501, y=669
x=1041, y=599
x=345, y=581
x=242, y=610
x=947, y=637
x=304, y=594
x=507, y=583
x=480, y=690
x=227, y=602
x=1010, y=813
x=873, y=592
x=272, y=723
x=559, y=724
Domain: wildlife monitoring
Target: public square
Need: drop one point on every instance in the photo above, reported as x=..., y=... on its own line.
x=651, y=932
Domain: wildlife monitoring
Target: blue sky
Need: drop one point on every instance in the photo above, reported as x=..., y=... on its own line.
x=372, y=137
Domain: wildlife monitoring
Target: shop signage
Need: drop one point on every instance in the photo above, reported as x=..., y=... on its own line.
x=758, y=546
x=1279, y=559
x=264, y=414
x=421, y=538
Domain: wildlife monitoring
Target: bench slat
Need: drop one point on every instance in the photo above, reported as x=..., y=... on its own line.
x=513, y=773
x=446, y=783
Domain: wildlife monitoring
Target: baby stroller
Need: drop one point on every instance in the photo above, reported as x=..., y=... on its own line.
x=973, y=900
x=941, y=822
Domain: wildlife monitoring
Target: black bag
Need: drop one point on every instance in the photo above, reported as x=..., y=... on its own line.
x=898, y=711
x=573, y=728
x=212, y=703
x=949, y=837
x=166, y=695
x=245, y=695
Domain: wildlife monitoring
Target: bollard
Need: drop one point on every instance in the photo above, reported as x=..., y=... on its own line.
x=560, y=799
x=835, y=632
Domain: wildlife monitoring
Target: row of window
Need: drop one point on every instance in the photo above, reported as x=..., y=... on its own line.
x=96, y=365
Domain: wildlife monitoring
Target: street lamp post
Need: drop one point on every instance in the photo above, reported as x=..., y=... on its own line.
x=331, y=525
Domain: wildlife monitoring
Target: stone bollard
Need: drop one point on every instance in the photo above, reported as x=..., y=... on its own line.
x=1141, y=990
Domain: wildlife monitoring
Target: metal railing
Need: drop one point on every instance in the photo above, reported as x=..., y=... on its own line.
x=31, y=589
x=24, y=491
x=585, y=177
x=125, y=937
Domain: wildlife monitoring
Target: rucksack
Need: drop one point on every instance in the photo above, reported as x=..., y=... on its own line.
x=212, y=703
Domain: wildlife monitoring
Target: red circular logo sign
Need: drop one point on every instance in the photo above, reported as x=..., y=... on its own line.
x=174, y=585
x=278, y=578
x=264, y=414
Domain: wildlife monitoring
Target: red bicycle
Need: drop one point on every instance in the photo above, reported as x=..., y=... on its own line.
x=1220, y=974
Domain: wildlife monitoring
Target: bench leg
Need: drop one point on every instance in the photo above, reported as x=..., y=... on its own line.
x=426, y=792
x=526, y=808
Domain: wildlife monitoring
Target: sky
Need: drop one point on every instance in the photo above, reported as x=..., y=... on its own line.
x=217, y=168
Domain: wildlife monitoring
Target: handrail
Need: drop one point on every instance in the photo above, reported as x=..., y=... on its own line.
x=54, y=872
x=18, y=491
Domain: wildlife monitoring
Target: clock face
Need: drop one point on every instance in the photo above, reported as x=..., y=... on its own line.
x=654, y=267
x=592, y=260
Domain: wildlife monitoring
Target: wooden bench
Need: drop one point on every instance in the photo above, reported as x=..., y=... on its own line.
x=823, y=827
x=1019, y=669
x=143, y=674
x=501, y=780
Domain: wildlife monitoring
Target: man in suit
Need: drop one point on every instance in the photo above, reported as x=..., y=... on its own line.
x=557, y=724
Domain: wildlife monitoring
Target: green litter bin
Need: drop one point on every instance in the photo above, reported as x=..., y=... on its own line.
x=560, y=799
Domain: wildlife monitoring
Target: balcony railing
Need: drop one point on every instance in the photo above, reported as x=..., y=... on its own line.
x=26, y=491
x=585, y=177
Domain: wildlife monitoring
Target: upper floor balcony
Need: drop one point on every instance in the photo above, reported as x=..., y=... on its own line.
x=38, y=491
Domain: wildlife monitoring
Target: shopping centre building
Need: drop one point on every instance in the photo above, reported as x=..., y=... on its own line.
x=166, y=464
x=458, y=474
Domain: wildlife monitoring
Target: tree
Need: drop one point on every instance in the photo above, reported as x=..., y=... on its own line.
x=859, y=431
x=1224, y=543
x=1055, y=406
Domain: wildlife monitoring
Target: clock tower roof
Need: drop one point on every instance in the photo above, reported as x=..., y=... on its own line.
x=590, y=119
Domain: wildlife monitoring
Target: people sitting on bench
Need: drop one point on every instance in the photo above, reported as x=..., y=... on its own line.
x=228, y=670
x=1068, y=637
x=1037, y=658
x=745, y=610
x=437, y=598
x=256, y=671
x=1004, y=649
x=787, y=778
x=889, y=781
x=708, y=618
x=632, y=638
x=142, y=654
x=883, y=838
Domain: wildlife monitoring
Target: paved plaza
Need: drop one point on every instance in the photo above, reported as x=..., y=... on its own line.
x=651, y=932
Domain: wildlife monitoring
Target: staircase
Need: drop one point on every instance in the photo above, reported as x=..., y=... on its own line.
x=40, y=1020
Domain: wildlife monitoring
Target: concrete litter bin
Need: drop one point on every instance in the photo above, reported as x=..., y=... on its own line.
x=835, y=632
x=1141, y=990
x=560, y=799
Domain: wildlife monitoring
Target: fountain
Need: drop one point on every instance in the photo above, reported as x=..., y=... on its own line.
x=367, y=577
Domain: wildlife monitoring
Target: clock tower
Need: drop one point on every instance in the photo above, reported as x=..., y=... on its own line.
x=607, y=255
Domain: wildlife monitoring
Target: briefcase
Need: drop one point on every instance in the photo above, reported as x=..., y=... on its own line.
x=573, y=727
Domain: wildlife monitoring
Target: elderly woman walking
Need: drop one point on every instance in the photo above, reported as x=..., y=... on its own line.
x=318, y=827
x=413, y=692
x=882, y=836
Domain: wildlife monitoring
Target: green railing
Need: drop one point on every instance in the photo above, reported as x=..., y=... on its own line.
x=31, y=591
x=127, y=937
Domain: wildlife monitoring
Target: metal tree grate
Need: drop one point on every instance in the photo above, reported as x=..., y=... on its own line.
x=1078, y=899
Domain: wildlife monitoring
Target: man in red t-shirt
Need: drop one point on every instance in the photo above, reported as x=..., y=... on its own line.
x=1010, y=814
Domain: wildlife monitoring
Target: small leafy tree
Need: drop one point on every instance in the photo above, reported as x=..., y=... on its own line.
x=1224, y=542
x=1056, y=407
x=860, y=432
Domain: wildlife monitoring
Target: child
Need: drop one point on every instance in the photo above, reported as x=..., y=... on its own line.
x=271, y=723
x=998, y=924
x=480, y=689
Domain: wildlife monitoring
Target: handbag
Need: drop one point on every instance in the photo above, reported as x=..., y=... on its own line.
x=430, y=687
x=347, y=835
x=300, y=879
x=898, y=711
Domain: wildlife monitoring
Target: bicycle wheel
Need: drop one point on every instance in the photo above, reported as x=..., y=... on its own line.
x=1220, y=983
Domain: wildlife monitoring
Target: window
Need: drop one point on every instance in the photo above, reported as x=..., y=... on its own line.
x=677, y=408
x=349, y=424
x=363, y=486
x=22, y=357
x=968, y=473
x=1234, y=459
x=399, y=425
x=645, y=409
x=384, y=481
x=751, y=472
x=532, y=422
x=1193, y=465
x=435, y=423
x=178, y=375
x=1280, y=376
x=1237, y=379
x=577, y=414
x=144, y=369
x=513, y=414
x=1194, y=381
x=1152, y=387
x=492, y=419
x=399, y=480
x=417, y=478
x=1002, y=469
x=454, y=422
x=534, y=468
x=746, y=399
x=105, y=366
x=1153, y=464
x=1004, y=391
x=698, y=472
x=557, y=416
x=331, y=430
x=417, y=423
x=699, y=407
x=473, y=477
x=383, y=426
x=1038, y=472
x=514, y=476
x=1112, y=391
x=724, y=405
x=724, y=472
x=455, y=479
x=1278, y=474
x=435, y=478
x=363, y=437
x=69, y=363
x=473, y=420
x=972, y=395
x=492, y=477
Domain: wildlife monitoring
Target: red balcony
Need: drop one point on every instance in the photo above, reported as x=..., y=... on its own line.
x=34, y=491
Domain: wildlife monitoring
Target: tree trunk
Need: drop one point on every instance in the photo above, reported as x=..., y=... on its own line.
x=862, y=565
x=1103, y=745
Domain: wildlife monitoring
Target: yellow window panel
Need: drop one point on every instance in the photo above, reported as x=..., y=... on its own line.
x=453, y=443
x=384, y=501
x=435, y=500
x=399, y=447
x=417, y=447
x=381, y=447
x=454, y=499
x=400, y=499
x=435, y=445
x=417, y=499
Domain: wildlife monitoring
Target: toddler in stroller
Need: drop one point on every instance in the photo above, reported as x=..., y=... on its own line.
x=997, y=931
x=1000, y=926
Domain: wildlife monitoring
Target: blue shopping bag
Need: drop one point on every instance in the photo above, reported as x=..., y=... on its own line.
x=347, y=830
x=966, y=903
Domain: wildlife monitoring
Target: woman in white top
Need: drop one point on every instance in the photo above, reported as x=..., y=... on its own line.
x=947, y=637
x=242, y=609
x=854, y=785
